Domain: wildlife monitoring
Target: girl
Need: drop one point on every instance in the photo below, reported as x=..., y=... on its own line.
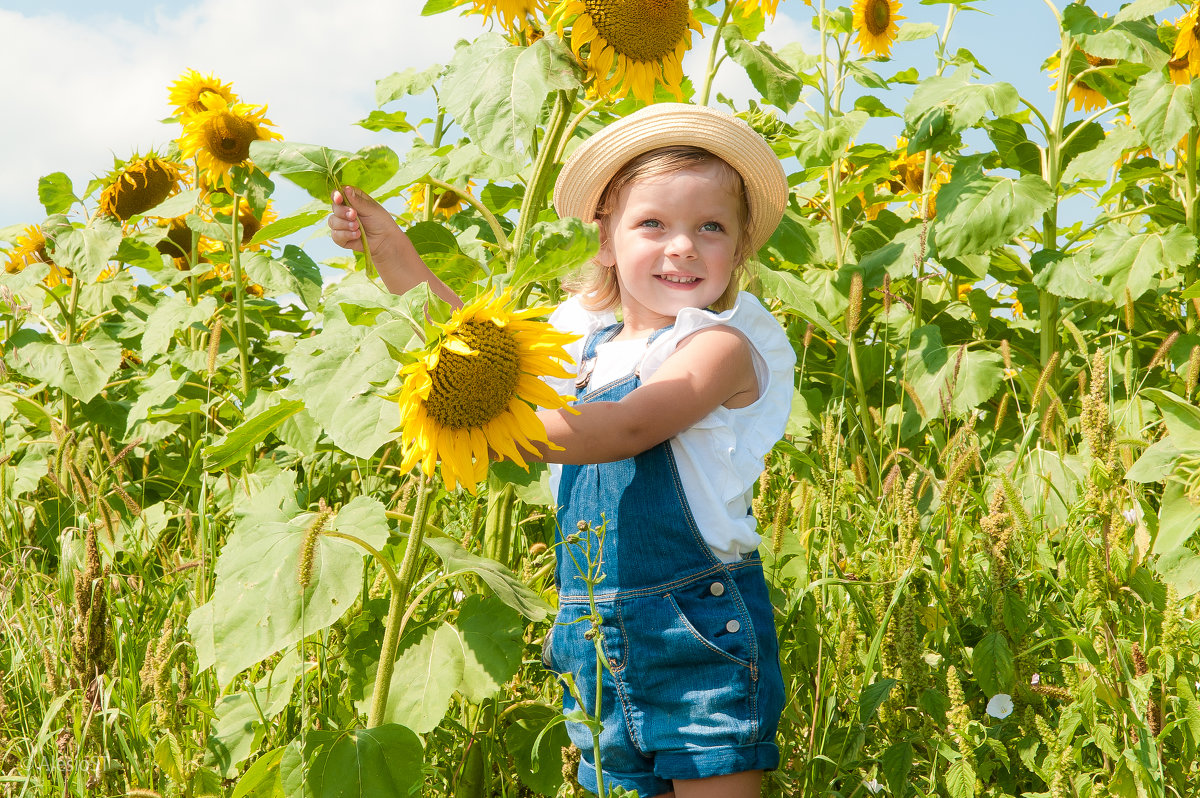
x=677, y=404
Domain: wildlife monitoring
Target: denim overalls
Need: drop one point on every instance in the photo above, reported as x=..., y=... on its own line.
x=692, y=686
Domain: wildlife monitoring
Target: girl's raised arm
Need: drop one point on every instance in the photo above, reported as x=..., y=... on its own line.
x=712, y=367
x=396, y=259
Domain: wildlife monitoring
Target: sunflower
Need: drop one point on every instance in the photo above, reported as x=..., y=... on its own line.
x=29, y=249
x=875, y=25
x=768, y=6
x=219, y=137
x=186, y=95
x=474, y=389
x=632, y=44
x=511, y=13
x=1084, y=97
x=910, y=175
x=138, y=185
x=250, y=224
x=1180, y=70
x=447, y=203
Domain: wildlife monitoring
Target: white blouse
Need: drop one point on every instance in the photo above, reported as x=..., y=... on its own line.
x=721, y=456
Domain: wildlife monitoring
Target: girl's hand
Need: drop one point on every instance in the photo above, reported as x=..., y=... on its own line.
x=355, y=212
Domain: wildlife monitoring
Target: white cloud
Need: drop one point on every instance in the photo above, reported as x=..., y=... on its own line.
x=88, y=90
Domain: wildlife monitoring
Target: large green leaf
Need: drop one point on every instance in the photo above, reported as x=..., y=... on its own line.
x=774, y=78
x=977, y=212
x=240, y=441
x=1123, y=259
x=559, y=247
x=1161, y=110
x=492, y=645
x=1181, y=417
x=496, y=91
x=384, y=762
x=292, y=272
x=258, y=607
x=797, y=296
x=425, y=678
x=173, y=314
x=80, y=370
x=942, y=107
x=1178, y=520
x=410, y=81
x=535, y=738
x=503, y=582
x=992, y=662
x=1097, y=163
x=342, y=372
x=87, y=251
x=1067, y=276
x=967, y=378
x=56, y=193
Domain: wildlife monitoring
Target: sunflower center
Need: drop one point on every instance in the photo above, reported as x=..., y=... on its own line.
x=1099, y=62
x=641, y=30
x=470, y=390
x=228, y=137
x=877, y=16
x=139, y=188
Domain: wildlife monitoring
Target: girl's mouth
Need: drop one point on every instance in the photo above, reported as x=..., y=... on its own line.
x=678, y=279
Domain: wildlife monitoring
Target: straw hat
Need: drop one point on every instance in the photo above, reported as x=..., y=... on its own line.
x=595, y=162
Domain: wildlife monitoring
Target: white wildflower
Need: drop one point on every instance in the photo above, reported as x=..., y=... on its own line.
x=1000, y=706
x=1132, y=515
x=873, y=786
x=1035, y=679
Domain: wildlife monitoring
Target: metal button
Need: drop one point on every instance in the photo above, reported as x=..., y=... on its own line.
x=717, y=588
x=732, y=626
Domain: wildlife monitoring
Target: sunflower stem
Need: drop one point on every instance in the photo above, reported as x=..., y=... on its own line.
x=72, y=312
x=239, y=293
x=492, y=222
x=539, y=181
x=710, y=71
x=391, y=632
x=1047, y=302
x=1190, y=212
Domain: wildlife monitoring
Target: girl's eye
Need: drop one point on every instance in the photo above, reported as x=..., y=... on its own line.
x=712, y=227
x=651, y=223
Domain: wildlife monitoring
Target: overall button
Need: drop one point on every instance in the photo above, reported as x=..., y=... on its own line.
x=717, y=588
x=732, y=626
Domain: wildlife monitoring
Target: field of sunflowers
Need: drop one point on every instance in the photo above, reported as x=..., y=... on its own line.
x=231, y=562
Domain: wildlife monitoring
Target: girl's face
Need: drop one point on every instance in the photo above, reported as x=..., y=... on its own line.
x=672, y=241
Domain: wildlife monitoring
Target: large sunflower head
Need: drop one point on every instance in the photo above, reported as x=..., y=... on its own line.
x=876, y=23
x=475, y=387
x=186, y=95
x=632, y=44
x=138, y=185
x=219, y=137
x=514, y=15
x=29, y=249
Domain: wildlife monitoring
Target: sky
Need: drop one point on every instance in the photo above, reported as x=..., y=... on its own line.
x=82, y=83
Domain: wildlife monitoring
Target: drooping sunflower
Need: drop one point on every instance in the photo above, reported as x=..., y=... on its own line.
x=186, y=94
x=219, y=137
x=29, y=249
x=632, y=44
x=876, y=23
x=910, y=175
x=138, y=185
x=1180, y=70
x=512, y=14
x=474, y=389
x=1084, y=97
x=446, y=205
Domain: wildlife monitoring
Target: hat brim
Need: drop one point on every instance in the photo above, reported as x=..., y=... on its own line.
x=598, y=159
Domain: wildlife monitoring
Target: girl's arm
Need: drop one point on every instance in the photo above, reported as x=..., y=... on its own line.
x=710, y=368
x=396, y=259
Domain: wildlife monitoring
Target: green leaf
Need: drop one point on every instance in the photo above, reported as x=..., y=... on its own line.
x=773, y=77
x=1096, y=163
x=281, y=228
x=1068, y=276
x=960, y=779
x=178, y=205
x=1162, y=111
x=261, y=780
x=1178, y=521
x=315, y=169
x=173, y=314
x=293, y=272
x=81, y=370
x=396, y=121
x=992, y=661
x=797, y=296
x=1181, y=569
x=236, y=731
x=237, y=445
x=559, y=247
x=896, y=762
x=1181, y=417
x=401, y=84
x=978, y=212
x=258, y=607
x=915, y=31
x=86, y=251
x=535, y=738
x=344, y=372
x=1015, y=149
x=492, y=645
x=943, y=107
x=931, y=368
x=56, y=193
x=425, y=678
x=1140, y=9
x=1156, y=463
x=370, y=168
x=496, y=91
x=872, y=696
x=507, y=587
x=440, y=250
x=1123, y=259
x=384, y=762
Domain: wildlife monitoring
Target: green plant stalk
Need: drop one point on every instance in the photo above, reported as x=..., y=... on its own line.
x=863, y=407
x=72, y=313
x=1047, y=302
x=492, y=222
x=405, y=577
x=710, y=70
x=497, y=526
x=239, y=292
x=1190, y=210
x=539, y=182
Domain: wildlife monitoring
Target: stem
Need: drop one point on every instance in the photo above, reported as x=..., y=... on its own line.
x=497, y=527
x=239, y=292
x=470, y=199
x=68, y=408
x=1190, y=210
x=710, y=71
x=1047, y=302
x=391, y=632
x=539, y=182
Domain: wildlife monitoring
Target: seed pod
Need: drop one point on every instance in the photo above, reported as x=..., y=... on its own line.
x=214, y=344
x=1163, y=350
x=1129, y=318
x=1193, y=371
x=854, y=309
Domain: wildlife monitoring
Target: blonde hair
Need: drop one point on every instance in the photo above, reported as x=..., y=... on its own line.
x=597, y=283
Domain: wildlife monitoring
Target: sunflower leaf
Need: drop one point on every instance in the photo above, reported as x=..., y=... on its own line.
x=977, y=212
x=315, y=169
x=411, y=81
x=1161, y=110
x=80, y=369
x=56, y=193
x=774, y=78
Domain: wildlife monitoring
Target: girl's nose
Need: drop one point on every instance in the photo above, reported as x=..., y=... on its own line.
x=681, y=245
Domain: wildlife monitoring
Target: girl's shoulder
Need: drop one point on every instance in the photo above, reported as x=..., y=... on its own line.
x=769, y=344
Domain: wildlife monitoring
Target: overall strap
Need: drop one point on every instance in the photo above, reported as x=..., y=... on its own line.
x=587, y=361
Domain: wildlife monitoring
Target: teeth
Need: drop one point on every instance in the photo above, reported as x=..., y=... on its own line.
x=676, y=278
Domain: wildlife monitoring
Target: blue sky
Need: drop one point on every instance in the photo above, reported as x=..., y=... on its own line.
x=84, y=82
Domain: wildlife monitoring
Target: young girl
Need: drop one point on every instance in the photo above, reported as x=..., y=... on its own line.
x=677, y=404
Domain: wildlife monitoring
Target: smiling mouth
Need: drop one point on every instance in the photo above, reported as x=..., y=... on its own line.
x=678, y=279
